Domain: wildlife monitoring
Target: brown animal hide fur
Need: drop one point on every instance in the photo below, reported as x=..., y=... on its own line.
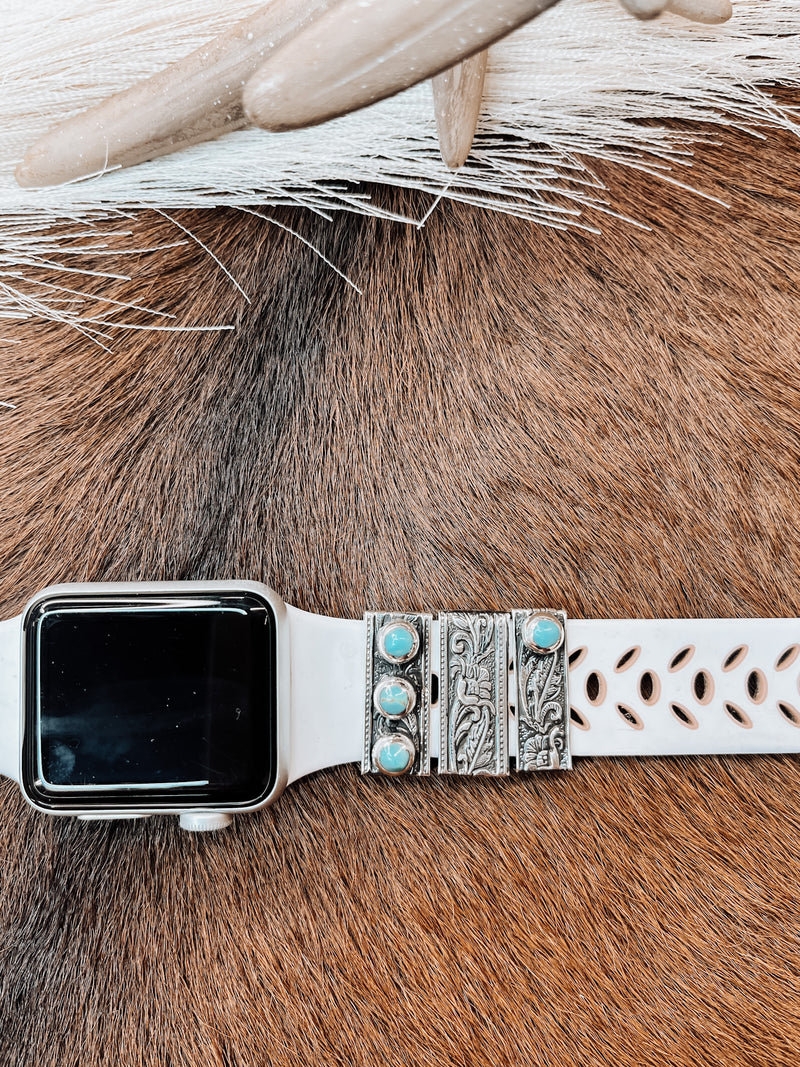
x=507, y=415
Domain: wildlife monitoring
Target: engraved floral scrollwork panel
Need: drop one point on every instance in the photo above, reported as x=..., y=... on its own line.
x=542, y=702
x=473, y=702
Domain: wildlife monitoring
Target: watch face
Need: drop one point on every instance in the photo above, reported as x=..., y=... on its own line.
x=150, y=700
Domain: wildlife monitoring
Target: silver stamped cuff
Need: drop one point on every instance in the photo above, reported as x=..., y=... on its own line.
x=473, y=694
x=398, y=694
x=542, y=693
x=485, y=722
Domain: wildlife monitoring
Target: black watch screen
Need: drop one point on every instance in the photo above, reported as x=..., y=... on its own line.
x=151, y=699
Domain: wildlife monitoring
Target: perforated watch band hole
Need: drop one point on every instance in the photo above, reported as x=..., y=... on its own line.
x=630, y=716
x=703, y=687
x=740, y=717
x=580, y=720
x=756, y=687
x=627, y=659
x=576, y=657
x=787, y=657
x=595, y=688
x=789, y=713
x=734, y=658
x=684, y=716
x=649, y=687
x=681, y=658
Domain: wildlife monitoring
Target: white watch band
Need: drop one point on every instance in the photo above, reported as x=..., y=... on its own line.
x=327, y=691
x=636, y=688
x=684, y=686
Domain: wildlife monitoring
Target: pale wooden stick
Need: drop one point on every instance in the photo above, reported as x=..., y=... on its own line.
x=711, y=12
x=194, y=100
x=457, y=96
x=644, y=9
x=361, y=51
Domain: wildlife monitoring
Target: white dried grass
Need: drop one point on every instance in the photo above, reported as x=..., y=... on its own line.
x=568, y=88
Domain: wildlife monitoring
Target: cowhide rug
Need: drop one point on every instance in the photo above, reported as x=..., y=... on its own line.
x=508, y=415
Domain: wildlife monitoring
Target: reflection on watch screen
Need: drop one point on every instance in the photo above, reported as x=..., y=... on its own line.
x=152, y=697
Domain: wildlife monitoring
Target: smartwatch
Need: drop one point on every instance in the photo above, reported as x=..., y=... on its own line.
x=206, y=699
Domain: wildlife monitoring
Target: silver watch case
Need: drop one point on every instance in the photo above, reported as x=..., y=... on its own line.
x=192, y=817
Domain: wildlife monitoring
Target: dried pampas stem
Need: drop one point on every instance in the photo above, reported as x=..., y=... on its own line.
x=344, y=57
x=584, y=81
x=644, y=9
x=710, y=12
x=457, y=96
x=360, y=51
x=194, y=100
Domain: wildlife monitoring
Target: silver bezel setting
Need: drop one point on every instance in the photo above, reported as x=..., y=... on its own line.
x=394, y=739
x=536, y=617
x=407, y=688
x=403, y=625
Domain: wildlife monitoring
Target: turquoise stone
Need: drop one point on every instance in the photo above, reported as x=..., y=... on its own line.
x=394, y=758
x=545, y=633
x=398, y=641
x=393, y=700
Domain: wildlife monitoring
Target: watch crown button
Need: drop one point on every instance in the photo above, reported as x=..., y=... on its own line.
x=201, y=821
